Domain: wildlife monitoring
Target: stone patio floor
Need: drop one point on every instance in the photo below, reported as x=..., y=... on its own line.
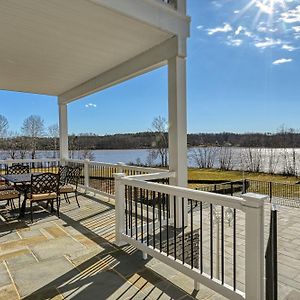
x=74, y=258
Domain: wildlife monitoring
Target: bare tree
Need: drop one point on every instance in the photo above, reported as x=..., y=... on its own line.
x=33, y=128
x=73, y=146
x=160, y=144
x=86, y=154
x=273, y=160
x=226, y=158
x=252, y=159
x=53, y=133
x=3, y=127
x=204, y=156
x=289, y=159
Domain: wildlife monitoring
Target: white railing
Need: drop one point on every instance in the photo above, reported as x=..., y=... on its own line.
x=41, y=165
x=98, y=177
x=173, y=224
x=178, y=226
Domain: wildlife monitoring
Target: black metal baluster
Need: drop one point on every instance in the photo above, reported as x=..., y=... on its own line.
x=147, y=199
x=192, y=233
x=175, y=254
x=167, y=204
x=234, y=249
x=201, y=238
x=153, y=218
x=182, y=225
x=160, y=228
x=136, y=212
x=131, y=233
x=222, y=244
x=142, y=194
x=126, y=208
x=211, y=243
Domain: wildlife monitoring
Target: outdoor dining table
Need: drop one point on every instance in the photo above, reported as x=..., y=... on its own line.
x=22, y=184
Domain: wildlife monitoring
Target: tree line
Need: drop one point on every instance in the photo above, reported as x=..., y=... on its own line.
x=34, y=135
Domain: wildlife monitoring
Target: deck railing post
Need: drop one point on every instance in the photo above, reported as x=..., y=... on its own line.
x=86, y=174
x=254, y=252
x=119, y=208
x=120, y=167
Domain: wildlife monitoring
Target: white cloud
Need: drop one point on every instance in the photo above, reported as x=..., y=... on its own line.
x=296, y=28
x=264, y=8
x=239, y=30
x=248, y=33
x=90, y=105
x=216, y=4
x=236, y=12
x=226, y=28
x=234, y=42
x=282, y=61
x=199, y=27
x=267, y=42
x=288, y=48
x=291, y=16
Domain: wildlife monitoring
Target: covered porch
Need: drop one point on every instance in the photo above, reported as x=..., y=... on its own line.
x=71, y=49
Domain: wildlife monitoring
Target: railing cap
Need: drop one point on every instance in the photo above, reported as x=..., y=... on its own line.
x=254, y=200
x=119, y=175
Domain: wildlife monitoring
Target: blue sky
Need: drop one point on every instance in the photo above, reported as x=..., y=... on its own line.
x=243, y=75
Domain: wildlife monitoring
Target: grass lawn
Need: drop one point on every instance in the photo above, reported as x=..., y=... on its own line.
x=213, y=174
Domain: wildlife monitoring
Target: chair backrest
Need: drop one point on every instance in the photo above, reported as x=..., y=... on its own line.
x=63, y=174
x=73, y=175
x=18, y=169
x=44, y=183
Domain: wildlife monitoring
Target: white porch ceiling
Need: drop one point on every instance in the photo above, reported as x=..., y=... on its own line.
x=51, y=46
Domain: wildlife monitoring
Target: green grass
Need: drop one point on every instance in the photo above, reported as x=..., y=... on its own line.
x=213, y=174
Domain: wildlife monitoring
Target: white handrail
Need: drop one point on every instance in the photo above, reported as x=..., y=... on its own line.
x=186, y=193
x=12, y=161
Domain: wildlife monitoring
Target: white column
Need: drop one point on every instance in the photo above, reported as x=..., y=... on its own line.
x=181, y=6
x=63, y=132
x=254, y=248
x=177, y=120
x=86, y=174
x=119, y=208
x=178, y=131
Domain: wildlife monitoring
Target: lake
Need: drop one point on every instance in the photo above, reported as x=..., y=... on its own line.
x=264, y=159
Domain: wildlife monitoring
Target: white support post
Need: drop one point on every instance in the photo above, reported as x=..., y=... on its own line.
x=181, y=6
x=196, y=285
x=119, y=208
x=86, y=174
x=177, y=120
x=254, y=255
x=63, y=132
x=178, y=129
x=120, y=167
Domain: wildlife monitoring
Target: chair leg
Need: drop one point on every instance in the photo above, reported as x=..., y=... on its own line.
x=13, y=203
x=52, y=208
x=57, y=205
x=31, y=212
x=66, y=198
x=67, y=195
x=76, y=197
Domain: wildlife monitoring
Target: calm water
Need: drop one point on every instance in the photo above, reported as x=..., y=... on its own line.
x=241, y=158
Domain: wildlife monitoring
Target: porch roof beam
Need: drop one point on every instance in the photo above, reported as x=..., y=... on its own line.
x=147, y=61
x=153, y=12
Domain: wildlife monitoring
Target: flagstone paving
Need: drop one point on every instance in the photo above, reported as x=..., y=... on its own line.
x=74, y=258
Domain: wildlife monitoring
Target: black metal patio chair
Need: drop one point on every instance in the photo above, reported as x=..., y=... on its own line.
x=18, y=169
x=9, y=194
x=69, y=182
x=44, y=187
